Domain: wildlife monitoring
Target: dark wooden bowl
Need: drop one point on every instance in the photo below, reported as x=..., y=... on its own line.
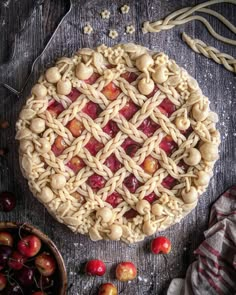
x=49, y=243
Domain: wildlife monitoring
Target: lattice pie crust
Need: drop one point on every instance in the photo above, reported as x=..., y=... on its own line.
x=117, y=143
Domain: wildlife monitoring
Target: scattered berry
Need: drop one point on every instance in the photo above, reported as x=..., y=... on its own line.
x=126, y=271
x=7, y=201
x=161, y=245
x=107, y=289
x=95, y=268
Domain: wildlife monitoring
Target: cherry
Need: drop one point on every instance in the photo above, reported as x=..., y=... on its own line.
x=92, y=79
x=45, y=282
x=59, y=146
x=29, y=246
x=150, y=165
x=6, y=239
x=161, y=245
x=39, y=293
x=92, y=109
x=16, y=261
x=129, y=76
x=150, y=198
x=95, y=268
x=167, y=107
x=111, y=91
x=93, y=146
x=130, y=214
x=112, y=163
x=96, y=181
x=169, y=182
x=5, y=252
x=25, y=276
x=75, y=127
x=114, y=199
x=129, y=110
x=168, y=144
x=132, y=183
x=55, y=108
x=126, y=271
x=7, y=201
x=107, y=289
x=74, y=94
x=75, y=164
x=111, y=128
x=3, y=281
x=148, y=127
x=14, y=290
x=45, y=264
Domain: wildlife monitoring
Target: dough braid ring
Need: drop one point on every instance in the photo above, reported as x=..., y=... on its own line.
x=117, y=143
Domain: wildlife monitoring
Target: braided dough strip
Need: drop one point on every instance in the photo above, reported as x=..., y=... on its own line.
x=228, y=61
x=183, y=16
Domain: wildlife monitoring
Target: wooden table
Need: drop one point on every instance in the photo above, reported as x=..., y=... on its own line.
x=26, y=27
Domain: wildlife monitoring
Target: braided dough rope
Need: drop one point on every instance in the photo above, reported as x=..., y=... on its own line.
x=228, y=61
x=66, y=194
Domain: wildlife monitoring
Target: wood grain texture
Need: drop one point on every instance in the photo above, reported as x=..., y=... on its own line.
x=34, y=22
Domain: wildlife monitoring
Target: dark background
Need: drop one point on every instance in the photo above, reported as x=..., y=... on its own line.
x=25, y=28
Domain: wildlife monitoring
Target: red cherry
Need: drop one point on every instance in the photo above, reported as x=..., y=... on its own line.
x=3, y=281
x=161, y=245
x=16, y=261
x=126, y=271
x=5, y=253
x=111, y=128
x=96, y=181
x=132, y=183
x=129, y=76
x=167, y=107
x=114, y=199
x=75, y=127
x=148, y=127
x=25, y=276
x=45, y=264
x=74, y=94
x=29, y=246
x=55, y=108
x=59, y=146
x=112, y=163
x=92, y=109
x=150, y=198
x=107, y=289
x=129, y=110
x=130, y=214
x=93, y=146
x=169, y=182
x=7, y=201
x=111, y=91
x=153, y=92
x=92, y=79
x=95, y=268
x=76, y=164
x=168, y=144
x=6, y=239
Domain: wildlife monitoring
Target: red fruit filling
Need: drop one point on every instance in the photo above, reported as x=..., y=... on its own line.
x=130, y=146
x=55, y=108
x=76, y=164
x=169, y=182
x=74, y=94
x=93, y=146
x=111, y=91
x=151, y=198
x=153, y=92
x=183, y=165
x=129, y=76
x=96, y=181
x=148, y=127
x=130, y=214
x=187, y=132
x=114, y=199
x=112, y=163
x=167, y=107
x=111, y=128
x=168, y=144
x=132, y=183
x=75, y=127
x=129, y=110
x=92, y=109
x=92, y=79
x=59, y=146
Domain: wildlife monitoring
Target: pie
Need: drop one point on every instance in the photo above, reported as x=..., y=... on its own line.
x=117, y=143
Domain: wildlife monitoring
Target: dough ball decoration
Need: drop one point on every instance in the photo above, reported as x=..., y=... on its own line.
x=110, y=145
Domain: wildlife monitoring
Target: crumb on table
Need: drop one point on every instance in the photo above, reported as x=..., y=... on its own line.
x=113, y=34
x=125, y=9
x=130, y=29
x=105, y=14
x=88, y=29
